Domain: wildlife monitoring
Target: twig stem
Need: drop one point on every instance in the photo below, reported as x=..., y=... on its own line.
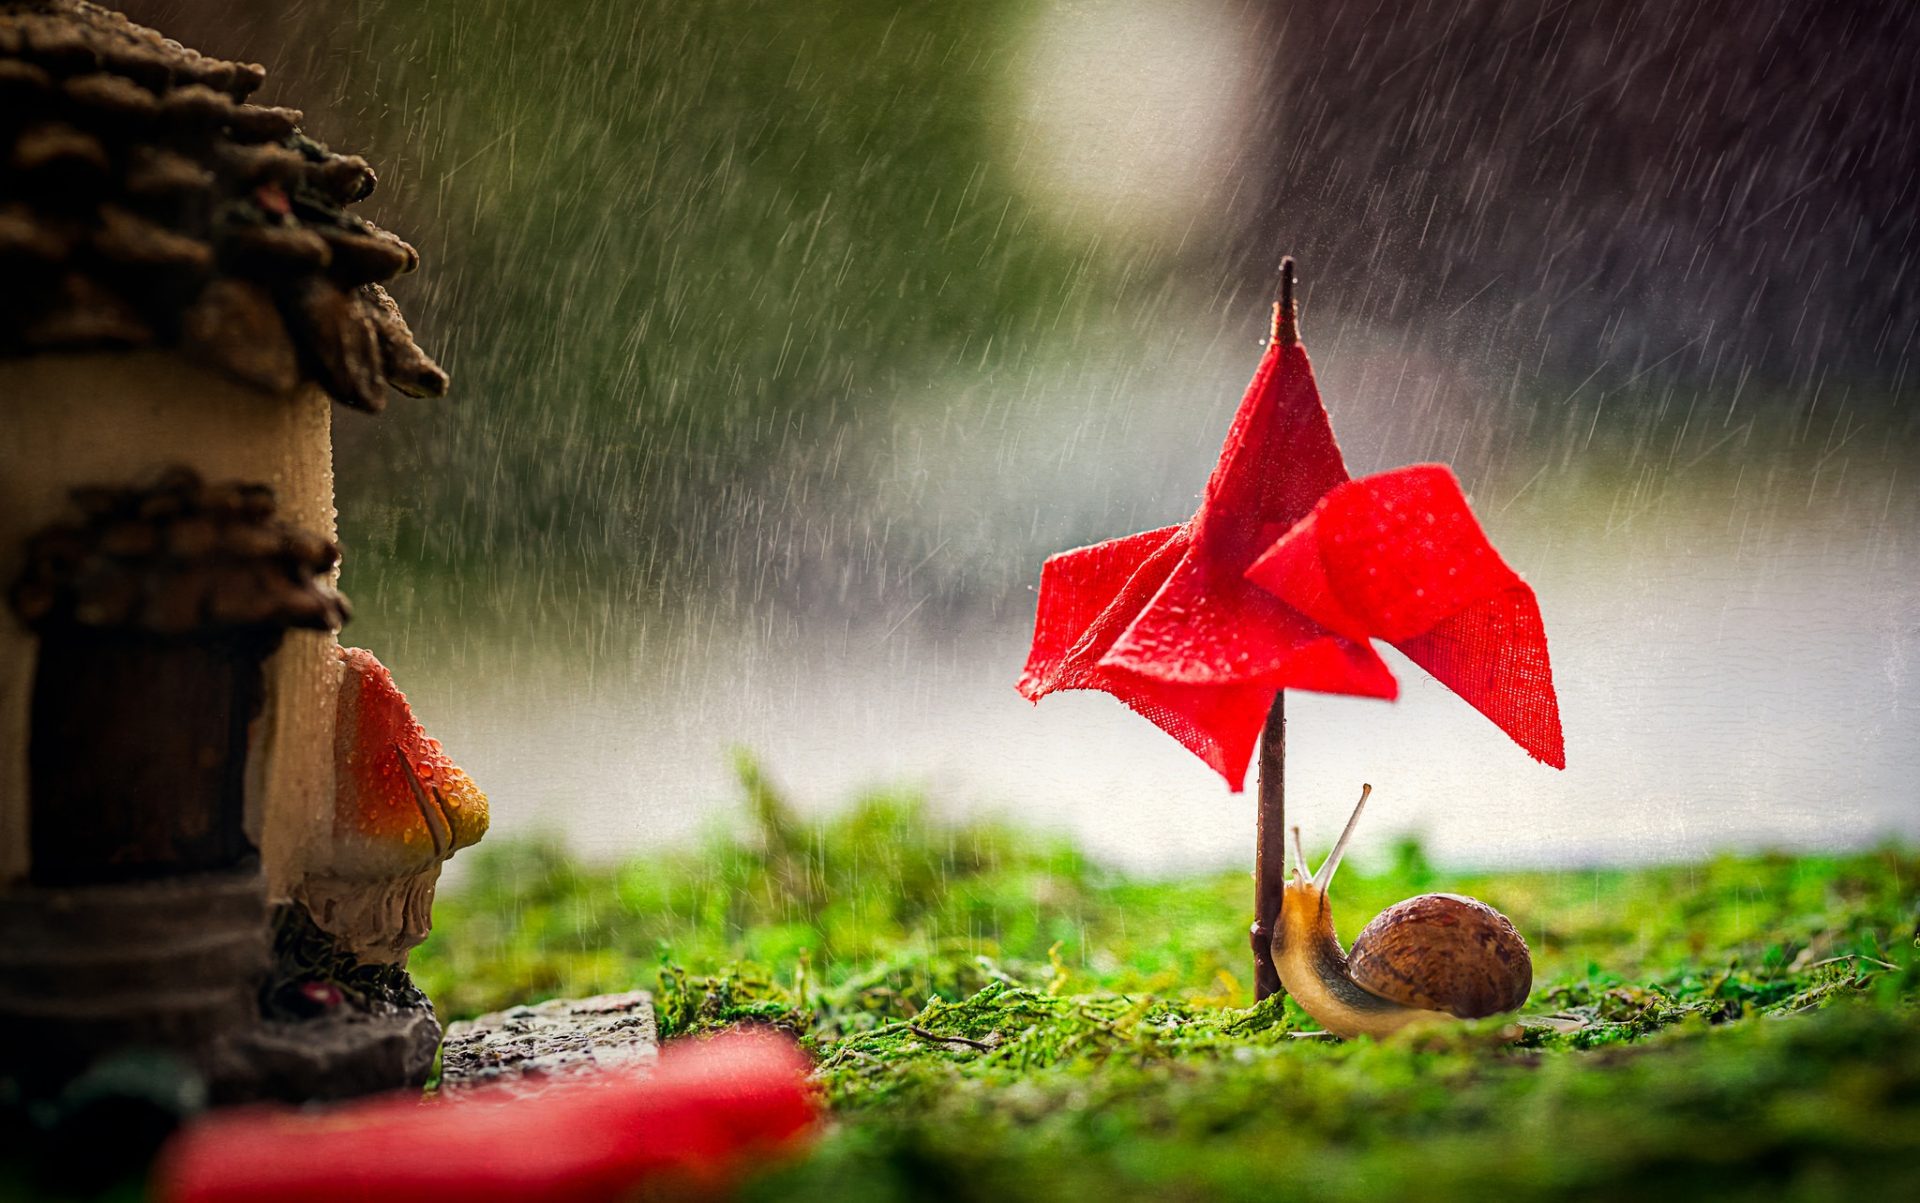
x=1270, y=831
x=1286, y=316
x=1269, y=845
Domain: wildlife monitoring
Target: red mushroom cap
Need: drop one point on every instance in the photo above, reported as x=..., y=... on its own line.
x=401, y=804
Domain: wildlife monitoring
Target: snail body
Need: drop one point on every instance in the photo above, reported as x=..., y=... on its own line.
x=1425, y=960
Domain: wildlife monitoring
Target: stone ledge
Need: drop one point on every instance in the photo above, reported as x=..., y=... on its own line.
x=527, y=1049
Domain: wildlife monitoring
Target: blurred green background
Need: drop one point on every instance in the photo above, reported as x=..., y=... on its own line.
x=788, y=339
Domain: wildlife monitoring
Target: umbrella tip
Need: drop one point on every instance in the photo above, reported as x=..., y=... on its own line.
x=1286, y=320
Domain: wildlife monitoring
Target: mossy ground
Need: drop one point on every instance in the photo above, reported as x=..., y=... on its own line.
x=994, y=1017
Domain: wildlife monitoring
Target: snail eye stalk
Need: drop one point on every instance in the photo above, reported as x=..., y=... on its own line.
x=1324, y=878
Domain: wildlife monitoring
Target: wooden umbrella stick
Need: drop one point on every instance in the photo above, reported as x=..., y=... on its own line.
x=1286, y=316
x=1270, y=846
x=1270, y=823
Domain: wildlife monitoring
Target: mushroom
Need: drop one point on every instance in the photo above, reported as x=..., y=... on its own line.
x=401, y=807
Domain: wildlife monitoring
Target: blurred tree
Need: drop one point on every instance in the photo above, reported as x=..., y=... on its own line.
x=667, y=248
x=684, y=260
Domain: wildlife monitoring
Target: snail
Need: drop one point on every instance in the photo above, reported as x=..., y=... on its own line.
x=1428, y=959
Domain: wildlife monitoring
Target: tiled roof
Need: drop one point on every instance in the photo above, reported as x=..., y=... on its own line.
x=178, y=557
x=143, y=202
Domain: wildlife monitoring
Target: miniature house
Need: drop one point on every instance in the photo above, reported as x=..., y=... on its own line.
x=195, y=777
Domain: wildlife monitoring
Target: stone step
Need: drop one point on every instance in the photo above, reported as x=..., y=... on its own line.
x=169, y=1018
x=61, y=917
x=527, y=1049
x=218, y=958
x=171, y=963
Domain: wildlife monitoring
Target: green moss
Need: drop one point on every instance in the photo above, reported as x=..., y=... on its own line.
x=993, y=1016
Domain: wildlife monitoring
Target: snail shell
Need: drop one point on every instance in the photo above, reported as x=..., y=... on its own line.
x=1443, y=952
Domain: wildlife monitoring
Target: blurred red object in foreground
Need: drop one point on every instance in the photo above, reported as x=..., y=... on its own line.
x=708, y=1113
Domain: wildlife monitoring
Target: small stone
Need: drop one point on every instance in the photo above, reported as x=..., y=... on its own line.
x=141, y=64
x=527, y=1049
x=33, y=600
x=311, y=551
x=274, y=252
x=197, y=104
x=334, y=328
x=113, y=101
x=105, y=596
x=262, y=124
x=129, y=539
x=250, y=540
x=155, y=174
x=25, y=237
x=234, y=326
x=56, y=46
x=242, y=596
x=58, y=551
x=170, y=493
x=58, y=148
x=192, y=538
x=343, y=178
x=234, y=80
x=86, y=314
x=176, y=604
x=266, y=163
x=408, y=368
x=22, y=82
x=95, y=501
x=130, y=240
x=254, y=500
x=367, y=254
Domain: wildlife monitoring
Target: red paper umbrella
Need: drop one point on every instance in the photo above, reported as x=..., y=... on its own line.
x=1167, y=621
x=709, y=1114
x=1279, y=582
x=1399, y=557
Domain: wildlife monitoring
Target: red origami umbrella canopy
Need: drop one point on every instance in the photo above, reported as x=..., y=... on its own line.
x=1168, y=622
x=1279, y=581
x=1399, y=557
